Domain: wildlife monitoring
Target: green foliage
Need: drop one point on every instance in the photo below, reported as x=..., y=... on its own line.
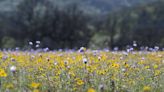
x=99, y=41
x=141, y=23
x=8, y=42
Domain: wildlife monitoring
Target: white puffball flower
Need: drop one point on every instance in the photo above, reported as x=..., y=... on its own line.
x=121, y=58
x=99, y=58
x=30, y=43
x=37, y=46
x=123, y=70
x=13, y=68
x=85, y=60
x=135, y=45
x=82, y=49
x=38, y=42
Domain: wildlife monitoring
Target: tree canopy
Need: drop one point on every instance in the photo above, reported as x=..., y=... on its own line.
x=70, y=26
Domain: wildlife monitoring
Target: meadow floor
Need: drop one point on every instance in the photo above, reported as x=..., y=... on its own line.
x=90, y=71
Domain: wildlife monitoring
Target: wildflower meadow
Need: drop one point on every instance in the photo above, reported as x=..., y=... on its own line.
x=84, y=71
x=81, y=45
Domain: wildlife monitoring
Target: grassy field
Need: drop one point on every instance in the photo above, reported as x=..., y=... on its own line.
x=90, y=71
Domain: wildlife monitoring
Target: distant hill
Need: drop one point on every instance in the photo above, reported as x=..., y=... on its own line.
x=89, y=6
x=102, y=6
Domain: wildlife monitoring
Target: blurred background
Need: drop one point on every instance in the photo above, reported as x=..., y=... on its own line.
x=95, y=24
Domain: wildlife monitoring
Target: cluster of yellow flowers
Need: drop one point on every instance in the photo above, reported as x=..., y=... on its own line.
x=2, y=73
x=82, y=71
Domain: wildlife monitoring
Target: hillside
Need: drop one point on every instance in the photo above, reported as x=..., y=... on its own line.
x=89, y=6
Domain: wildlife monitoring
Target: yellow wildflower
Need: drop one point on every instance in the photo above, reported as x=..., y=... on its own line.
x=35, y=85
x=157, y=73
x=35, y=90
x=147, y=67
x=146, y=89
x=3, y=73
x=155, y=66
x=9, y=86
x=80, y=82
x=91, y=90
x=115, y=65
